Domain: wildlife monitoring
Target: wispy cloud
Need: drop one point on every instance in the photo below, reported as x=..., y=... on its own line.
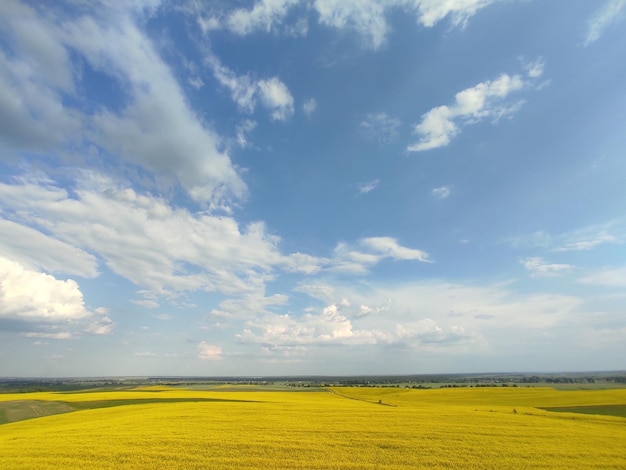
x=609, y=14
x=582, y=239
x=442, y=192
x=364, y=188
x=265, y=15
x=359, y=258
x=246, y=91
x=242, y=131
x=309, y=106
x=487, y=100
x=540, y=268
x=380, y=127
x=610, y=277
x=368, y=18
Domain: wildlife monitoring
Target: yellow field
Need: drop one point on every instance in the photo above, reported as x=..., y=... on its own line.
x=360, y=428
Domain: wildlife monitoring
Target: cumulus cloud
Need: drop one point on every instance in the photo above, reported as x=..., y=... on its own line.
x=209, y=352
x=609, y=14
x=539, y=268
x=329, y=326
x=28, y=294
x=441, y=311
x=332, y=327
x=486, y=100
x=43, y=304
x=276, y=97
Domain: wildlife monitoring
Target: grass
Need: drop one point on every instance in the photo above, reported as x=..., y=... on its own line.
x=21, y=410
x=607, y=410
x=348, y=429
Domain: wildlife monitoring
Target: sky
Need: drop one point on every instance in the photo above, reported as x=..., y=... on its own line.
x=312, y=187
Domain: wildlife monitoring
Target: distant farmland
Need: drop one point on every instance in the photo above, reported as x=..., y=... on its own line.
x=336, y=428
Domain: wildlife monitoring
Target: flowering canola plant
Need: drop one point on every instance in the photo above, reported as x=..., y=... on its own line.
x=341, y=428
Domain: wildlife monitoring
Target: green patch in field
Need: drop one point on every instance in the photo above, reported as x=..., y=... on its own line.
x=12, y=411
x=607, y=410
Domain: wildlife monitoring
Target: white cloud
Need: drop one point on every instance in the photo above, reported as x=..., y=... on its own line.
x=61, y=335
x=584, y=242
x=459, y=11
x=265, y=15
x=380, y=127
x=332, y=327
x=143, y=239
x=32, y=80
x=145, y=354
x=156, y=129
x=273, y=93
x=370, y=251
x=534, y=69
x=539, y=268
x=146, y=303
x=28, y=294
x=101, y=323
x=249, y=305
x=309, y=106
x=208, y=24
x=243, y=129
x=389, y=247
x=209, y=352
x=426, y=314
x=33, y=249
x=442, y=192
x=486, y=100
x=242, y=88
x=368, y=186
x=42, y=304
x=276, y=97
x=615, y=277
x=368, y=18
x=609, y=14
x=582, y=239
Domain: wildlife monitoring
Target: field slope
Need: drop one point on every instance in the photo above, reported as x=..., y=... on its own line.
x=342, y=428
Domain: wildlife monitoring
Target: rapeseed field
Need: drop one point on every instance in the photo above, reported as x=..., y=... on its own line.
x=340, y=428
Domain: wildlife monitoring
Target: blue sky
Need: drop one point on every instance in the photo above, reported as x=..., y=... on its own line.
x=312, y=187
